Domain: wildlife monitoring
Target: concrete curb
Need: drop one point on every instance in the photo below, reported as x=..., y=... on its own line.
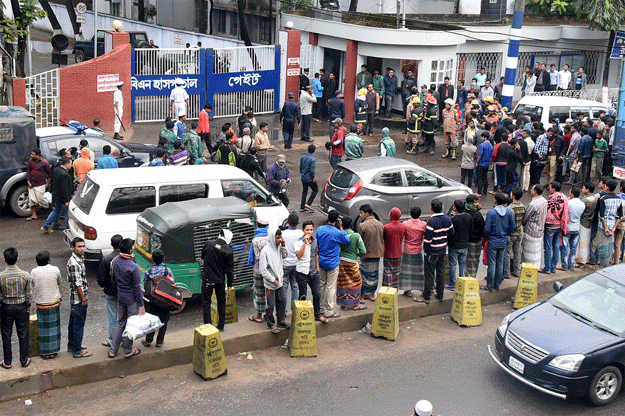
x=243, y=336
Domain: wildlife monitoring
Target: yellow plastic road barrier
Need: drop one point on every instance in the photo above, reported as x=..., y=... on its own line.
x=302, y=335
x=386, y=316
x=209, y=358
x=232, y=315
x=527, y=288
x=33, y=337
x=467, y=306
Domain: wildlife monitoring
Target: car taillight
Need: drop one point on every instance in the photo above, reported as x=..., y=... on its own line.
x=327, y=182
x=353, y=191
x=90, y=233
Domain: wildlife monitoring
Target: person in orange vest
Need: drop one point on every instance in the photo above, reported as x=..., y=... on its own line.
x=82, y=165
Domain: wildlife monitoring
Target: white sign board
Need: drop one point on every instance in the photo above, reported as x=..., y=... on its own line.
x=81, y=8
x=107, y=82
x=618, y=172
x=293, y=61
x=80, y=18
x=178, y=38
x=292, y=72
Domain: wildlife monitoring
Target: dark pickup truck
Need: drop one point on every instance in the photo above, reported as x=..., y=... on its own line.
x=83, y=49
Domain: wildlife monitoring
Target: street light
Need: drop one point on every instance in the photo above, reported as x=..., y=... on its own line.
x=116, y=25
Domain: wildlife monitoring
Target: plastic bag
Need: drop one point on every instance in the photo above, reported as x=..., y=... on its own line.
x=47, y=200
x=138, y=326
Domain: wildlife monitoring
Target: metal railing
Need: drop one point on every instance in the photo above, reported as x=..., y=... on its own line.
x=595, y=94
x=254, y=58
x=156, y=108
x=469, y=64
x=167, y=61
x=42, y=98
x=230, y=104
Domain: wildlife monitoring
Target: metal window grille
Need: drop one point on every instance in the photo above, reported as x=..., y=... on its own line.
x=42, y=98
x=242, y=235
x=307, y=58
x=254, y=58
x=156, y=107
x=167, y=61
x=469, y=64
x=229, y=104
x=589, y=60
x=6, y=133
x=591, y=67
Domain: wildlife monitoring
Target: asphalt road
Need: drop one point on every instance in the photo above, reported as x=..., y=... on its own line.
x=354, y=374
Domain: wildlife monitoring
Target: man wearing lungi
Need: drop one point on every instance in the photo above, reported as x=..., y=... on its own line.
x=372, y=233
x=394, y=233
x=473, y=207
x=412, y=276
x=585, y=223
x=610, y=214
x=38, y=175
x=534, y=227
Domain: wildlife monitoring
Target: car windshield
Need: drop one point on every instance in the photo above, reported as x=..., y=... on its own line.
x=343, y=178
x=528, y=110
x=595, y=300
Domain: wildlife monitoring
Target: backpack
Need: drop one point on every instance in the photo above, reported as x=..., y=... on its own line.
x=161, y=291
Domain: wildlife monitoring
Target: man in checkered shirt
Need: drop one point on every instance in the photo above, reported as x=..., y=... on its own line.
x=78, y=289
x=610, y=214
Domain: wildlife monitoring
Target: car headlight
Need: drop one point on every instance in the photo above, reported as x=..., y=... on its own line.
x=570, y=362
x=503, y=325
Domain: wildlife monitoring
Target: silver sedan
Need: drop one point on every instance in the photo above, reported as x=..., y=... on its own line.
x=385, y=183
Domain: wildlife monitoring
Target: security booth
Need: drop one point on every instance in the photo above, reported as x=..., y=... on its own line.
x=181, y=229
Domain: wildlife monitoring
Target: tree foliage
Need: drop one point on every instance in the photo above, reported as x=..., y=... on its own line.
x=605, y=15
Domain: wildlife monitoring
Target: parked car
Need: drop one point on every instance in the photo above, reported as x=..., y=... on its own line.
x=17, y=139
x=385, y=183
x=108, y=202
x=181, y=229
x=83, y=49
x=546, y=108
x=571, y=344
x=53, y=139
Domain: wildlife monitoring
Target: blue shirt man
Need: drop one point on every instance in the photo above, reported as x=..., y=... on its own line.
x=180, y=129
x=317, y=88
x=107, y=161
x=485, y=152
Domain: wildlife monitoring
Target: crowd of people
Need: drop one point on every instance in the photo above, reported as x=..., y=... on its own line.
x=540, y=79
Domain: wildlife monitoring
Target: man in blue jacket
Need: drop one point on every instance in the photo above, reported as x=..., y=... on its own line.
x=499, y=225
x=336, y=109
x=289, y=118
x=390, y=89
x=307, y=171
x=318, y=91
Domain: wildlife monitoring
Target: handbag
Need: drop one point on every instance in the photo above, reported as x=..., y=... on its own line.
x=162, y=292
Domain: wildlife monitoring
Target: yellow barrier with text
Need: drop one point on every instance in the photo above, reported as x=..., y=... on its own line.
x=232, y=315
x=33, y=336
x=386, y=315
x=209, y=358
x=303, y=334
x=527, y=287
x=467, y=307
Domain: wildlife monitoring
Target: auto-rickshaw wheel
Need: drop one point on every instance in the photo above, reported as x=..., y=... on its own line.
x=184, y=303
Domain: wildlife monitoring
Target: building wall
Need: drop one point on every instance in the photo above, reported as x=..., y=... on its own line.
x=176, y=14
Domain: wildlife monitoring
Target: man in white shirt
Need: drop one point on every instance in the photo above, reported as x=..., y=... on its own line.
x=565, y=79
x=307, y=255
x=481, y=77
x=118, y=105
x=306, y=100
x=179, y=99
x=291, y=235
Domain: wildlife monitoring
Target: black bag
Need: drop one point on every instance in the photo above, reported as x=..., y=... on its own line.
x=162, y=292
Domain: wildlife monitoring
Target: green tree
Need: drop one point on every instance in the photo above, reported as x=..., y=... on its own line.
x=25, y=12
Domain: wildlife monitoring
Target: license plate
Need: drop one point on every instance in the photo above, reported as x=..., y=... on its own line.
x=516, y=364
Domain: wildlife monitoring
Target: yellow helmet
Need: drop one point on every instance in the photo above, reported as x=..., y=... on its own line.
x=416, y=100
x=362, y=91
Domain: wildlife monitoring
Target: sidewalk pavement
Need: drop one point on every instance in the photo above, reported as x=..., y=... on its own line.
x=242, y=336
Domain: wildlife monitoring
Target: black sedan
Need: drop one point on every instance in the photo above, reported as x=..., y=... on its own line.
x=572, y=344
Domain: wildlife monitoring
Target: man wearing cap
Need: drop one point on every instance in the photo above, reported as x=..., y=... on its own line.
x=169, y=135
x=430, y=123
x=336, y=110
x=179, y=99
x=289, y=118
x=306, y=101
x=423, y=408
x=278, y=176
x=413, y=125
x=337, y=143
x=451, y=121
x=217, y=275
x=118, y=104
x=354, y=145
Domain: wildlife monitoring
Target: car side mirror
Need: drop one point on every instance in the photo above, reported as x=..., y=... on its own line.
x=557, y=286
x=440, y=182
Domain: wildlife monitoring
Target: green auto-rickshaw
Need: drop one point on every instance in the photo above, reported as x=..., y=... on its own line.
x=180, y=229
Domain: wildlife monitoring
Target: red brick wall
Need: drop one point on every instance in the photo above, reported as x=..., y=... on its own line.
x=292, y=53
x=119, y=38
x=351, y=62
x=79, y=96
x=19, y=92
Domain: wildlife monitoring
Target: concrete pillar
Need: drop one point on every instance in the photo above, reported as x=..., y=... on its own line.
x=293, y=44
x=19, y=92
x=119, y=38
x=313, y=38
x=351, y=66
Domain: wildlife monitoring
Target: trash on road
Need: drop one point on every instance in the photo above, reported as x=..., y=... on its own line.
x=365, y=329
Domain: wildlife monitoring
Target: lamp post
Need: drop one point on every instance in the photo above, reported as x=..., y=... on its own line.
x=95, y=28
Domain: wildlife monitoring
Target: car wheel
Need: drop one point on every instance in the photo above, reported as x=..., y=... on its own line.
x=605, y=386
x=184, y=303
x=18, y=201
x=79, y=56
x=143, y=44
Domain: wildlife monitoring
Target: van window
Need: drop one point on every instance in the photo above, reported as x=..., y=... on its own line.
x=245, y=190
x=177, y=193
x=85, y=195
x=131, y=200
x=595, y=112
x=560, y=112
x=575, y=110
x=528, y=110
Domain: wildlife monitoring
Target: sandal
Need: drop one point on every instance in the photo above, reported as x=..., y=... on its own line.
x=106, y=344
x=135, y=351
x=27, y=363
x=274, y=330
x=485, y=288
x=83, y=354
x=421, y=299
x=145, y=343
x=111, y=355
x=3, y=365
x=322, y=319
x=360, y=307
x=158, y=345
x=334, y=315
x=31, y=218
x=253, y=318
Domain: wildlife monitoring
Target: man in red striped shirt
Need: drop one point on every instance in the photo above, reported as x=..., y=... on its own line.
x=204, y=127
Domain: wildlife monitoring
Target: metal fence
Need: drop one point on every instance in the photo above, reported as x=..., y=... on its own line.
x=588, y=59
x=595, y=94
x=156, y=108
x=229, y=104
x=469, y=64
x=167, y=61
x=42, y=98
x=255, y=58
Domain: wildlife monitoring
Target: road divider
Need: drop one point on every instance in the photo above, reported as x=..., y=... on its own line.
x=386, y=314
x=527, y=286
x=209, y=358
x=466, y=309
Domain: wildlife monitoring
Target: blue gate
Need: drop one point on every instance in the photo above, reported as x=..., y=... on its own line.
x=228, y=79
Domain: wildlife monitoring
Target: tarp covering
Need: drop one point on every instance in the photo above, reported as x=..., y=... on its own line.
x=17, y=137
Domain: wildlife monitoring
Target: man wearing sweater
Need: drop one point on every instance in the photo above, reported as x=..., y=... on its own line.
x=499, y=225
x=438, y=230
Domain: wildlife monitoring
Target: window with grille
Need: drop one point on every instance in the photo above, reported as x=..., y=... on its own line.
x=469, y=64
x=221, y=21
x=234, y=24
x=441, y=69
x=6, y=133
x=115, y=9
x=265, y=31
x=589, y=60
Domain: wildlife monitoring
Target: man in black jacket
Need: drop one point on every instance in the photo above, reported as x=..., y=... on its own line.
x=217, y=274
x=62, y=191
x=249, y=163
x=106, y=282
x=473, y=207
x=242, y=120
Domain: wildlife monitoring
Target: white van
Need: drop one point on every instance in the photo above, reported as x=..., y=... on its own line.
x=109, y=201
x=547, y=107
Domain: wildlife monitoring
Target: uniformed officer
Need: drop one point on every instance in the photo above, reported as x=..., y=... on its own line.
x=118, y=104
x=179, y=99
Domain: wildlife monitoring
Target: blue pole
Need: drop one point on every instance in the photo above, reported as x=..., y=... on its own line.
x=620, y=119
x=513, y=54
